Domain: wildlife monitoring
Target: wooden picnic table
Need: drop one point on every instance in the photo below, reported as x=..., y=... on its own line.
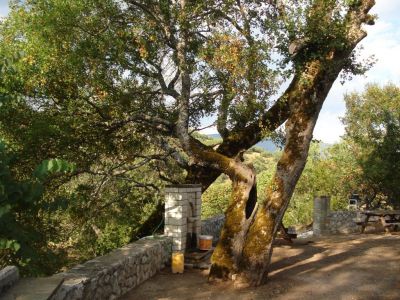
x=388, y=218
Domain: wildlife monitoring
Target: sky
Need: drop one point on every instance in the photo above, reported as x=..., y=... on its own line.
x=383, y=41
x=3, y=7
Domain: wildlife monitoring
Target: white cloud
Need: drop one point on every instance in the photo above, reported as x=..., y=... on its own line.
x=383, y=41
x=387, y=8
x=329, y=127
x=209, y=130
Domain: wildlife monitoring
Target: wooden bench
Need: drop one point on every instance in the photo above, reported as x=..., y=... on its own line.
x=387, y=218
x=360, y=222
x=388, y=223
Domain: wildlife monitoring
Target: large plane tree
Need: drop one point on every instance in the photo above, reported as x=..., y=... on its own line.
x=128, y=73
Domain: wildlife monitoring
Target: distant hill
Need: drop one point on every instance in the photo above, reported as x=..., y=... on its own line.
x=267, y=145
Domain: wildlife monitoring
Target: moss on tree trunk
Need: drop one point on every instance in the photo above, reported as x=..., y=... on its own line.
x=245, y=247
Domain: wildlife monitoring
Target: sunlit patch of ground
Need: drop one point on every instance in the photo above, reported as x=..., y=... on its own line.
x=363, y=266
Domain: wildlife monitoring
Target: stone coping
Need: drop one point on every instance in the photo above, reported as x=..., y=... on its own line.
x=39, y=288
x=112, y=275
x=8, y=277
x=104, y=277
x=183, y=186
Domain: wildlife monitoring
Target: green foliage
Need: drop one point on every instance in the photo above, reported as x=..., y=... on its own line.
x=373, y=131
x=38, y=226
x=94, y=226
x=331, y=171
x=112, y=237
x=51, y=166
x=72, y=83
x=97, y=83
x=216, y=197
x=22, y=239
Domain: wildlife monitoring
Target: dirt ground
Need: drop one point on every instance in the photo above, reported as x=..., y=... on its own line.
x=362, y=266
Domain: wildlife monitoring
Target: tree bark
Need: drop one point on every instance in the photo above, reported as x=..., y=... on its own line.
x=238, y=217
x=245, y=246
x=244, y=250
x=241, y=139
x=258, y=248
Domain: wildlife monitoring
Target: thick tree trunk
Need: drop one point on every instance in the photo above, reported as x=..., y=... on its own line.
x=258, y=248
x=245, y=248
x=238, y=217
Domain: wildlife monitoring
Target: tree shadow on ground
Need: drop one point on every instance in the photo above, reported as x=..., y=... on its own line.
x=363, y=268
x=349, y=267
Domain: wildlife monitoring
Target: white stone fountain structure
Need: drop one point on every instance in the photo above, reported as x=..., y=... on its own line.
x=183, y=215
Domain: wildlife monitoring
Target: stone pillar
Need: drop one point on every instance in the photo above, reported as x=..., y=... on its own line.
x=183, y=215
x=321, y=211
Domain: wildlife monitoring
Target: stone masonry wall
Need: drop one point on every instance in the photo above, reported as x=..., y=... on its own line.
x=343, y=221
x=338, y=222
x=8, y=277
x=213, y=226
x=326, y=221
x=112, y=275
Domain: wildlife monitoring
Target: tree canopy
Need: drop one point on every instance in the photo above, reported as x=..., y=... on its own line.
x=373, y=130
x=118, y=85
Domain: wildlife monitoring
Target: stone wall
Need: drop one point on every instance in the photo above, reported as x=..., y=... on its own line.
x=337, y=222
x=114, y=274
x=343, y=221
x=326, y=221
x=213, y=226
x=8, y=277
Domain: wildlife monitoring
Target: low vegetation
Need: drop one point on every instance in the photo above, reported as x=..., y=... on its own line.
x=52, y=214
x=100, y=102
